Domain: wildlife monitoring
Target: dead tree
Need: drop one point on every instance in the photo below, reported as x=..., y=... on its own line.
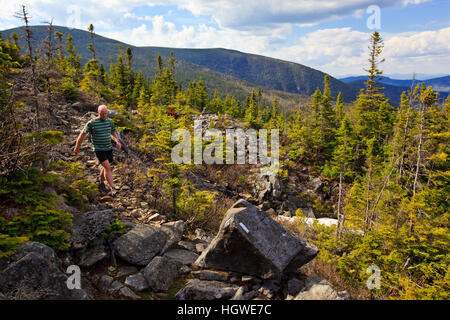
x=23, y=15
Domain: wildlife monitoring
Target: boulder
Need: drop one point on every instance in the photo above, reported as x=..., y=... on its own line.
x=319, y=289
x=185, y=257
x=88, y=226
x=137, y=282
x=141, y=244
x=160, y=273
x=250, y=242
x=33, y=274
x=174, y=231
x=206, y=290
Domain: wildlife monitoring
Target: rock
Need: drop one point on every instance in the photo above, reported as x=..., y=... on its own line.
x=174, y=231
x=140, y=245
x=128, y=293
x=239, y=295
x=88, y=226
x=271, y=212
x=316, y=184
x=137, y=282
x=319, y=289
x=83, y=107
x=115, y=287
x=104, y=283
x=188, y=245
x=211, y=275
x=160, y=273
x=200, y=247
x=250, y=242
x=267, y=187
x=185, y=257
x=294, y=286
x=126, y=271
x=206, y=290
x=92, y=256
x=33, y=274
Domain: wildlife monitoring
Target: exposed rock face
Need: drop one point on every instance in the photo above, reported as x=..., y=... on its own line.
x=206, y=290
x=250, y=242
x=33, y=273
x=141, y=244
x=182, y=256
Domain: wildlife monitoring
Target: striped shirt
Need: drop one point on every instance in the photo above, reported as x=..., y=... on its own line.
x=100, y=131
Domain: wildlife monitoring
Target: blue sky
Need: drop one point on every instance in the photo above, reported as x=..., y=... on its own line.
x=329, y=35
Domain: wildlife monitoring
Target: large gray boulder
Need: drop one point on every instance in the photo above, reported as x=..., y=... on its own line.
x=87, y=226
x=33, y=274
x=161, y=272
x=206, y=290
x=250, y=242
x=141, y=244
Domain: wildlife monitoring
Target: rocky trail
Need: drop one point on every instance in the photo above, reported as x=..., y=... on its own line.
x=251, y=256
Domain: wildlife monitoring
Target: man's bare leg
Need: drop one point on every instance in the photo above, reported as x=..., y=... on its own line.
x=108, y=173
x=102, y=175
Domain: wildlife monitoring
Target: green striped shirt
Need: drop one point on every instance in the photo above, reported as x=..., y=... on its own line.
x=100, y=131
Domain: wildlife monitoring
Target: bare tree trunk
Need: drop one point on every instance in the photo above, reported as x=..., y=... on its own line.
x=419, y=158
x=24, y=16
x=340, y=216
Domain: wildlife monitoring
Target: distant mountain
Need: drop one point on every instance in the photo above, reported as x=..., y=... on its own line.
x=228, y=71
x=441, y=84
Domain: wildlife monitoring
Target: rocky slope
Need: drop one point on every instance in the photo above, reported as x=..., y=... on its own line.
x=251, y=256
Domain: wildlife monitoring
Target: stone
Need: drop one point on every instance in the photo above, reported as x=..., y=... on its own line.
x=294, y=286
x=33, y=274
x=239, y=295
x=188, y=245
x=200, y=247
x=128, y=293
x=115, y=287
x=87, y=226
x=197, y=289
x=211, y=275
x=320, y=289
x=126, y=271
x=160, y=273
x=104, y=283
x=316, y=184
x=251, y=243
x=174, y=231
x=137, y=282
x=141, y=244
x=185, y=257
x=92, y=256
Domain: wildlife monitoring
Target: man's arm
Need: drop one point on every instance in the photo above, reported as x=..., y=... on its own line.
x=80, y=139
x=116, y=139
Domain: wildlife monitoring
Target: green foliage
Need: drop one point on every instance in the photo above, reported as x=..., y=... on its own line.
x=39, y=219
x=78, y=192
x=115, y=229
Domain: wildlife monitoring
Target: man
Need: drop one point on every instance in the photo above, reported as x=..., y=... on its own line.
x=102, y=129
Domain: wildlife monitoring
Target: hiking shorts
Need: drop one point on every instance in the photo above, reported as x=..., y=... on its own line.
x=104, y=155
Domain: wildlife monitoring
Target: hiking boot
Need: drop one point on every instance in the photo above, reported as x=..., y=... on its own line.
x=102, y=187
x=114, y=191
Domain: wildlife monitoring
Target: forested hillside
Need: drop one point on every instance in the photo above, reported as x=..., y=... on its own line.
x=381, y=172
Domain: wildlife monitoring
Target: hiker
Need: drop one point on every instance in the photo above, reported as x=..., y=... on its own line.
x=102, y=129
